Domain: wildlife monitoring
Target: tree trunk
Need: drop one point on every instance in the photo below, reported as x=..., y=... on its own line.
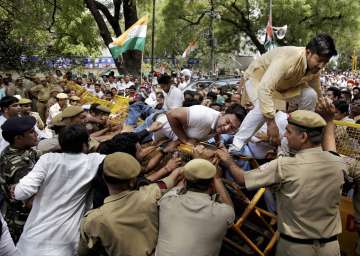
x=104, y=31
x=131, y=59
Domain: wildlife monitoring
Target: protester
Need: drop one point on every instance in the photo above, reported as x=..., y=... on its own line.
x=59, y=184
x=278, y=75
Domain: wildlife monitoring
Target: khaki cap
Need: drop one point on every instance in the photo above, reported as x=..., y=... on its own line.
x=199, y=169
x=61, y=95
x=56, y=89
x=103, y=109
x=72, y=111
x=24, y=101
x=57, y=120
x=121, y=166
x=75, y=98
x=306, y=119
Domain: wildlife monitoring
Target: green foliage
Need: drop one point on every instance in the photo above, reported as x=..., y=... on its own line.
x=45, y=30
x=242, y=24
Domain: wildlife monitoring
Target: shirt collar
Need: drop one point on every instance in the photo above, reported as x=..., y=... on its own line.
x=310, y=150
x=118, y=196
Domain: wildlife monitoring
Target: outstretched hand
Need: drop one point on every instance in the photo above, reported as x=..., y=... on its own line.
x=223, y=154
x=326, y=109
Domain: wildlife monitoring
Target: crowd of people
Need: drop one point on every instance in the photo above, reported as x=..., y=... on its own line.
x=76, y=181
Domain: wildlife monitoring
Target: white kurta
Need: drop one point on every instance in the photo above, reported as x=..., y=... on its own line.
x=3, y=142
x=173, y=99
x=201, y=124
x=60, y=183
x=53, y=111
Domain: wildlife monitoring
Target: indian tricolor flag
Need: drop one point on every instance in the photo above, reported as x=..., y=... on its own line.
x=131, y=39
x=192, y=46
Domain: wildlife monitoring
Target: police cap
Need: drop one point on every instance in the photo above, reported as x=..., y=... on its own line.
x=306, y=119
x=121, y=166
x=18, y=125
x=72, y=111
x=199, y=169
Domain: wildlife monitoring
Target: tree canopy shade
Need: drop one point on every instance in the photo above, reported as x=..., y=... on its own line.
x=46, y=28
x=243, y=22
x=49, y=28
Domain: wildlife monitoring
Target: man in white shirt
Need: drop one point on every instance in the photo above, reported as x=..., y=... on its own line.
x=60, y=185
x=198, y=123
x=182, y=85
x=173, y=96
x=59, y=106
x=190, y=222
x=10, y=107
x=98, y=93
x=126, y=84
x=187, y=78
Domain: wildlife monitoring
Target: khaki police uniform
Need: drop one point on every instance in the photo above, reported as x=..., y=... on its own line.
x=127, y=223
x=191, y=223
x=353, y=172
x=42, y=94
x=308, y=191
x=53, y=100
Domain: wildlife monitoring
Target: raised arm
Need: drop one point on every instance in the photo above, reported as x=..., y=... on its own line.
x=227, y=160
x=221, y=190
x=327, y=110
x=29, y=184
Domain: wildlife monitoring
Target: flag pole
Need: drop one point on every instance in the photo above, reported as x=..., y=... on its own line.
x=141, y=67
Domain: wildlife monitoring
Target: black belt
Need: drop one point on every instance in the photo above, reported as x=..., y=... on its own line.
x=308, y=241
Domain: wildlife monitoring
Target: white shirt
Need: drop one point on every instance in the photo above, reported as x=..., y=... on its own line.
x=201, y=124
x=61, y=184
x=124, y=85
x=151, y=100
x=183, y=85
x=53, y=111
x=173, y=99
x=90, y=88
x=3, y=142
x=99, y=94
x=191, y=224
x=260, y=149
x=7, y=247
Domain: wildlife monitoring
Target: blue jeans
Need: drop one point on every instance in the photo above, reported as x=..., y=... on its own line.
x=147, y=123
x=136, y=110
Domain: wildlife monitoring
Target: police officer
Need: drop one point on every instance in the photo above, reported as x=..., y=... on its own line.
x=307, y=187
x=15, y=162
x=52, y=100
x=203, y=222
x=25, y=105
x=74, y=100
x=125, y=211
x=42, y=93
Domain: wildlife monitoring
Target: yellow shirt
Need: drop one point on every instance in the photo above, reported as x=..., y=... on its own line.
x=280, y=74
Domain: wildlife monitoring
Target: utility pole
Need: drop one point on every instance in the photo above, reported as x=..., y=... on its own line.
x=153, y=38
x=212, y=57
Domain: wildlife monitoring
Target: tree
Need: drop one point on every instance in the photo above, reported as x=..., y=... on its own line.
x=131, y=59
x=47, y=29
x=243, y=22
